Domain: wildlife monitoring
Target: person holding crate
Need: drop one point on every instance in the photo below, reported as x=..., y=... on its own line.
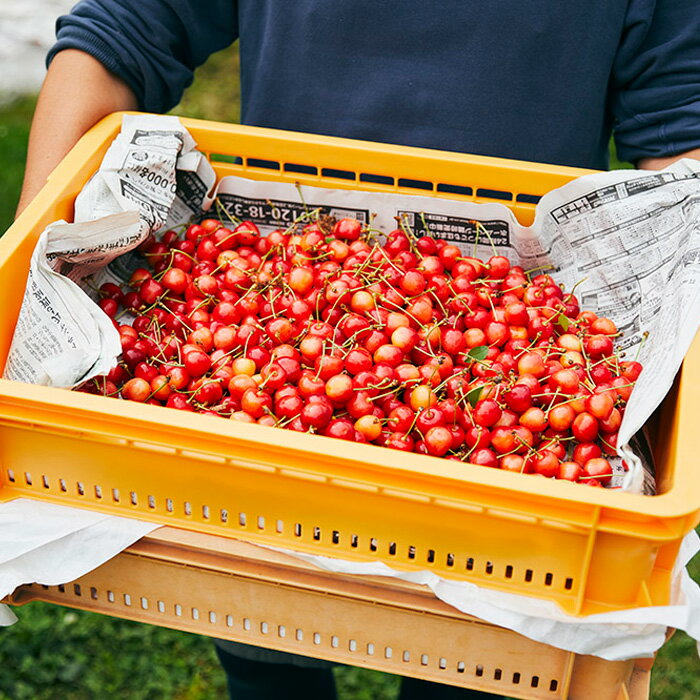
x=530, y=80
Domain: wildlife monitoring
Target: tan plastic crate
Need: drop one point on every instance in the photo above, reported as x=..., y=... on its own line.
x=233, y=590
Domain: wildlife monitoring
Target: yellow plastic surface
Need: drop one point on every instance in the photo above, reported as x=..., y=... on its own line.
x=589, y=550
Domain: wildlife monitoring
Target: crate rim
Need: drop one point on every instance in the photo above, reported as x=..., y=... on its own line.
x=113, y=121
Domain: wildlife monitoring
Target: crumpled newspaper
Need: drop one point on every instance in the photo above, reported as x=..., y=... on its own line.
x=62, y=338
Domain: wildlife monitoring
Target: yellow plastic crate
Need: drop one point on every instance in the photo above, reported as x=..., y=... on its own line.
x=590, y=550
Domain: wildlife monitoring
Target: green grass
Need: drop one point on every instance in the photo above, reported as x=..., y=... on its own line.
x=55, y=652
x=14, y=132
x=59, y=653
x=215, y=93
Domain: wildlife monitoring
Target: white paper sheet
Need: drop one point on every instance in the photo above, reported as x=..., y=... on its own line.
x=50, y=544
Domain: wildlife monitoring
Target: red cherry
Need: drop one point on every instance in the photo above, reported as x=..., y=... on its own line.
x=585, y=427
x=136, y=389
x=484, y=457
x=585, y=451
x=597, y=468
x=347, y=229
x=438, y=440
x=486, y=413
x=546, y=463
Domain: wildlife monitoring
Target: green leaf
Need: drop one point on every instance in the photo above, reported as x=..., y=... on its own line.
x=474, y=395
x=478, y=353
x=563, y=322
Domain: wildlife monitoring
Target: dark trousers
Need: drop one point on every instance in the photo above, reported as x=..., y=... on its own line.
x=258, y=680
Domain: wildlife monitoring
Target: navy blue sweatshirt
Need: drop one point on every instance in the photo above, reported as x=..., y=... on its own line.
x=541, y=80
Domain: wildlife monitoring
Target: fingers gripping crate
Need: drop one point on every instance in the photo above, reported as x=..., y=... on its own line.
x=234, y=590
x=589, y=550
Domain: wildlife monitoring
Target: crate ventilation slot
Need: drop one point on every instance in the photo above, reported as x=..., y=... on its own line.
x=224, y=158
x=338, y=174
x=454, y=189
x=260, y=163
x=415, y=184
x=495, y=194
x=299, y=168
x=376, y=179
x=528, y=198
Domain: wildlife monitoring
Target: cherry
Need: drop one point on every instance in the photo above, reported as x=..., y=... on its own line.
x=484, y=457
x=255, y=402
x=136, y=389
x=598, y=346
x=486, y=413
x=438, y=440
x=518, y=398
x=347, y=229
x=612, y=423
x=289, y=406
x=532, y=363
x=585, y=451
x=561, y=417
x=422, y=397
x=180, y=402
x=273, y=376
x=631, y=370
x=534, y=419
x=515, y=463
x=597, y=468
x=342, y=429
x=477, y=437
x=316, y=415
x=339, y=388
x=358, y=360
x=197, y=363
x=570, y=471
x=565, y=381
x=369, y=426
x=429, y=418
x=498, y=266
x=600, y=406
x=546, y=463
x=585, y=427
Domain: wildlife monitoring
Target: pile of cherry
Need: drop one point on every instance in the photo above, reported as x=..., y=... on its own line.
x=399, y=341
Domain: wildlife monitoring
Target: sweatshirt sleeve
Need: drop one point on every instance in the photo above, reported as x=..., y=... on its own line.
x=656, y=80
x=153, y=45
